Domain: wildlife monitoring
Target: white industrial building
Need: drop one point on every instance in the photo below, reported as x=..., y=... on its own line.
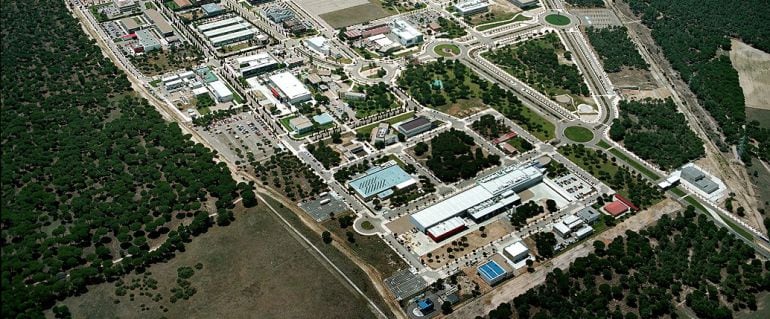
x=523, y=4
x=255, y=64
x=471, y=7
x=221, y=92
x=290, y=87
x=516, y=252
x=220, y=24
x=406, y=34
x=227, y=31
x=490, y=195
x=319, y=44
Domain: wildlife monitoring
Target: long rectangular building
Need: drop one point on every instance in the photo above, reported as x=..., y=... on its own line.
x=256, y=64
x=232, y=37
x=489, y=196
x=160, y=22
x=225, y=30
x=219, y=24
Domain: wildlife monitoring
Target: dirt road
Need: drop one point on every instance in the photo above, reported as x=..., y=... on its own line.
x=519, y=285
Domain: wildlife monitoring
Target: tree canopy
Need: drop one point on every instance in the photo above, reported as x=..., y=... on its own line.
x=90, y=172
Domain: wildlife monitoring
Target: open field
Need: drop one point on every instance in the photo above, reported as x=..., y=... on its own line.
x=753, y=68
x=355, y=15
x=762, y=116
x=251, y=268
x=372, y=249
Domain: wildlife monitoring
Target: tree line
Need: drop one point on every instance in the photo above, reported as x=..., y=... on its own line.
x=694, y=42
x=90, y=172
x=656, y=131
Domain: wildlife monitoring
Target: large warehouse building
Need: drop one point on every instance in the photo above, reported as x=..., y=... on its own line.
x=227, y=31
x=381, y=181
x=491, y=195
x=471, y=7
x=291, y=88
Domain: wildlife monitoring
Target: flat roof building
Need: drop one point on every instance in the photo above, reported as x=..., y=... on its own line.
x=278, y=14
x=319, y=44
x=130, y=24
x=219, y=24
x=699, y=179
x=415, y=126
x=406, y=34
x=516, y=252
x=490, y=195
x=471, y=7
x=125, y=6
x=446, y=229
x=589, y=215
x=291, y=87
x=523, y=4
x=225, y=30
x=383, y=179
x=584, y=232
x=159, y=22
x=323, y=119
x=212, y=9
x=492, y=273
x=561, y=229
x=300, y=124
x=221, y=91
x=232, y=37
x=256, y=64
x=147, y=40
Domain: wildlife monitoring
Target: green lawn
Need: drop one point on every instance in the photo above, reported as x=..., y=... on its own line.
x=578, y=134
x=447, y=50
x=393, y=120
x=678, y=192
x=636, y=165
x=603, y=144
x=557, y=19
x=548, y=131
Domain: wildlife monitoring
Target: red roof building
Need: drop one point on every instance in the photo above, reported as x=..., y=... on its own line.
x=616, y=208
x=626, y=202
x=504, y=137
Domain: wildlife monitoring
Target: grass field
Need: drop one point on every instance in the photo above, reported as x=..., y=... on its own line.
x=549, y=129
x=357, y=14
x=603, y=144
x=636, y=165
x=251, y=269
x=366, y=129
x=557, y=19
x=578, y=134
x=760, y=115
x=447, y=50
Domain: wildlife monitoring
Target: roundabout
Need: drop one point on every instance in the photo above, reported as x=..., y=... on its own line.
x=447, y=50
x=559, y=19
x=578, y=134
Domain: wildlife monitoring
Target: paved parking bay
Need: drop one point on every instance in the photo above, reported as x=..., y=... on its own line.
x=320, y=212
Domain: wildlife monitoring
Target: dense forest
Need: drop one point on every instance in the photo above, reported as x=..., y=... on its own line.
x=325, y=154
x=694, y=42
x=460, y=83
x=643, y=275
x=537, y=63
x=490, y=127
x=615, y=48
x=455, y=156
x=90, y=172
x=656, y=131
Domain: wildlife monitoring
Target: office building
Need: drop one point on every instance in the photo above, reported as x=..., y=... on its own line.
x=160, y=23
x=147, y=40
x=471, y=7
x=126, y=6
x=415, y=126
x=381, y=134
x=212, y=9
x=406, y=34
x=256, y=64
x=301, y=124
x=221, y=91
x=525, y=4
x=318, y=44
x=516, y=252
x=589, y=215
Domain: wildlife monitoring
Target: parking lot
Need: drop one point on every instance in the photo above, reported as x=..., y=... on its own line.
x=113, y=29
x=575, y=186
x=234, y=137
x=321, y=207
x=405, y=284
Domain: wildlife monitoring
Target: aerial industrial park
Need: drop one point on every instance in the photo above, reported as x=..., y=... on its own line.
x=425, y=143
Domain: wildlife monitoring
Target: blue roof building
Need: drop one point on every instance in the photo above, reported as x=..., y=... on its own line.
x=425, y=305
x=323, y=119
x=382, y=180
x=492, y=272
